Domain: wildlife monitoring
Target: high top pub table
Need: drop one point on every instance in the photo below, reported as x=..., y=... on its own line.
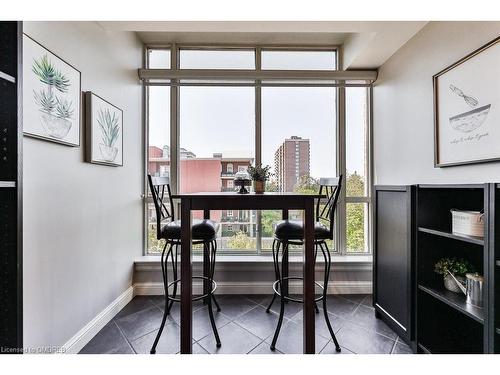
x=252, y=201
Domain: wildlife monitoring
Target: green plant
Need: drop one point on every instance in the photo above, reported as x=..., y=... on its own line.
x=458, y=267
x=48, y=74
x=46, y=100
x=63, y=109
x=259, y=173
x=110, y=127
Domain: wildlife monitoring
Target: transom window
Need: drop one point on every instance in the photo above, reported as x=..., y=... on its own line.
x=204, y=127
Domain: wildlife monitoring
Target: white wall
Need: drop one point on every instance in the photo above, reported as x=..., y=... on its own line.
x=403, y=112
x=82, y=222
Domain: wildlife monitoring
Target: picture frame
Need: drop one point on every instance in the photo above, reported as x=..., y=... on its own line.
x=51, y=96
x=103, y=131
x=467, y=109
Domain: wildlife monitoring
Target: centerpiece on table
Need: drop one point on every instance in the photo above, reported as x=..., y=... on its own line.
x=242, y=179
x=456, y=267
x=259, y=176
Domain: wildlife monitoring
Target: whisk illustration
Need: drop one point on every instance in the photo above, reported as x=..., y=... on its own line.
x=470, y=100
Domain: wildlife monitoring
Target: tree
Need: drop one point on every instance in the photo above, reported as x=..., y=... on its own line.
x=154, y=245
x=355, y=185
x=268, y=218
x=307, y=185
x=355, y=213
x=271, y=186
x=241, y=240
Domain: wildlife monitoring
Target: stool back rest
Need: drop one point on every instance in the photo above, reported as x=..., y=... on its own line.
x=162, y=200
x=331, y=188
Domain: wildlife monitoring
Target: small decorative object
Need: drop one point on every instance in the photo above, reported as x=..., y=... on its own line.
x=104, y=131
x=473, y=288
x=51, y=96
x=242, y=179
x=469, y=223
x=453, y=270
x=466, y=109
x=259, y=175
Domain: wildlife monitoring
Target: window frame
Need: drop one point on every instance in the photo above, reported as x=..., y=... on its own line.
x=340, y=157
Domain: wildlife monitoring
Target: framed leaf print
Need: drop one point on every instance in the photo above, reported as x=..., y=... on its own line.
x=51, y=96
x=104, y=131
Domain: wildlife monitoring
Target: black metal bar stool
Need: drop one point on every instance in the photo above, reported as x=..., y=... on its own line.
x=291, y=232
x=203, y=232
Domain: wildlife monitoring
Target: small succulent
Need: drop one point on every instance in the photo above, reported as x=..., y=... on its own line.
x=63, y=109
x=259, y=173
x=46, y=100
x=458, y=267
x=110, y=127
x=48, y=74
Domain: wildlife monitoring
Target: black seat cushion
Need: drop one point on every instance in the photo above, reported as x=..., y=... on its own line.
x=294, y=230
x=201, y=230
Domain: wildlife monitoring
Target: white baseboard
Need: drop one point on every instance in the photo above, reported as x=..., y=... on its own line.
x=82, y=337
x=255, y=287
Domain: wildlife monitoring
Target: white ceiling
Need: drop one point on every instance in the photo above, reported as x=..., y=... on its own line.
x=366, y=45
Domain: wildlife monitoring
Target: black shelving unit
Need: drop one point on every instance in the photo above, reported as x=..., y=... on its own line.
x=11, y=312
x=445, y=323
x=494, y=269
x=393, y=258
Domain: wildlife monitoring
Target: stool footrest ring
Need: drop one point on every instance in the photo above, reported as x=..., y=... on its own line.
x=287, y=298
x=214, y=288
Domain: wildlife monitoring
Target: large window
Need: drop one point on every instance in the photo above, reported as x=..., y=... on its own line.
x=298, y=142
x=218, y=137
x=221, y=126
x=357, y=201
x=158, y=150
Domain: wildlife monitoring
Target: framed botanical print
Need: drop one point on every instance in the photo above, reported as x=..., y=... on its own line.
x=51, y=96
x=104, y=131
x=467, y=109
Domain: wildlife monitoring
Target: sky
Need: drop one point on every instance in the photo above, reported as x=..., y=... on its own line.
x=222, y=119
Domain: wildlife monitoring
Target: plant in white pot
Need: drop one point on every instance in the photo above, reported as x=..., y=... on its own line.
x=110, y=130
x=259, y=176
x=55, y=111
x=455, y=266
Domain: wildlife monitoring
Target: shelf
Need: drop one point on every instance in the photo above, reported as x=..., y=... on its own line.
x=7, y=77
x=457, y=301
x=424, y=349
x=452, y=186
x=464, y=238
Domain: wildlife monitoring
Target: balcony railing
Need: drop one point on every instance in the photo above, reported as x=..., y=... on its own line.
x=227, y=189
x=227, y=174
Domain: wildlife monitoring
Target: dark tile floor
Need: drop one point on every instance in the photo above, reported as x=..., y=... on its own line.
x=244, y=327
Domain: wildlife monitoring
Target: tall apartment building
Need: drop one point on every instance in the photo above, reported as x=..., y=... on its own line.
x=291, y=162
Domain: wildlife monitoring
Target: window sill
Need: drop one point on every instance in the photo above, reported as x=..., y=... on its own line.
x=339, y=262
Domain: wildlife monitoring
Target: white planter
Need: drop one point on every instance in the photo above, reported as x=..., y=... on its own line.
x=54, y=126
x=451, y=284
x=108, y=153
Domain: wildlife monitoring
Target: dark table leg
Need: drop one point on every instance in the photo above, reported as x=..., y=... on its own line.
x=308, y=269
x=284, y=260
x=186, y=273
x=206, y=265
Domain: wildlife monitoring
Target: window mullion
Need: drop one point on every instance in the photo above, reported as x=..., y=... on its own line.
x=258, y=143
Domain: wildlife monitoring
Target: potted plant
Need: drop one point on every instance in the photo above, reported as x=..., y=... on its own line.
x=56, y=112
x=110, y=129
x=259, y=176
x=457, y=267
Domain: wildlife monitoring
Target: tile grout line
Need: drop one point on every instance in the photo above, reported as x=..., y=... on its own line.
x=394, y=347
x=124, y=336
